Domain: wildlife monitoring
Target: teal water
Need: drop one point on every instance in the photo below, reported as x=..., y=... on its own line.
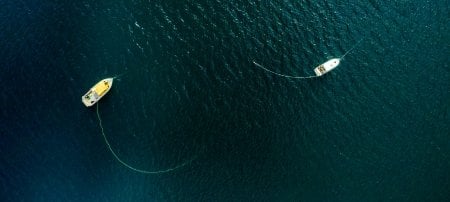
x=374, y=129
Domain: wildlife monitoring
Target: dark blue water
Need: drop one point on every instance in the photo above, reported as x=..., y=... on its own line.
x=374, y=129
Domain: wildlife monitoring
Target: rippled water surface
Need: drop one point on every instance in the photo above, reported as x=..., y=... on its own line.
x=374, y=129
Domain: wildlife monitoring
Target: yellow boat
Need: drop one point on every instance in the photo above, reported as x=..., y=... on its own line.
x=97, y=92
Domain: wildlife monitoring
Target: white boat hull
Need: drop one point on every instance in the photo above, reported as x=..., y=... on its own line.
x=327, y=66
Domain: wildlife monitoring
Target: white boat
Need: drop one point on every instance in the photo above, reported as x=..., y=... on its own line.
x=97, y=92
x=327, y=66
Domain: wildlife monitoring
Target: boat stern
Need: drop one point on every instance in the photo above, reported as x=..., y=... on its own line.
x=88, y=99
x=319, y=70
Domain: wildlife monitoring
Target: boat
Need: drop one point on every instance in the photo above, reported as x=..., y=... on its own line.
x=327, y=66
x=97, y=92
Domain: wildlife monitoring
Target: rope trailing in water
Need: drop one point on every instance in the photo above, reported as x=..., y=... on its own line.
x=283, y=75
x=131, y=167
x=342, y=57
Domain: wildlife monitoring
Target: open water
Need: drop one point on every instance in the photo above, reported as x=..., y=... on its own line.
x=374, y=129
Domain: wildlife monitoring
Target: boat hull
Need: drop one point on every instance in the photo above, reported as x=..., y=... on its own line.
x=97, y=92
x=326, y=67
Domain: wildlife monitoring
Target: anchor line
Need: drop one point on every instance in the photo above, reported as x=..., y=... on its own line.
x=283, y=75
x=131, y=167
x=351, y=48
x=119, y=76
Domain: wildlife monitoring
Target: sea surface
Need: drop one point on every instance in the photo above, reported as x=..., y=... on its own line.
x=374, y=129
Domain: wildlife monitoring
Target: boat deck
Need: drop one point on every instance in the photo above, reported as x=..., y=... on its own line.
x=97, y=92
